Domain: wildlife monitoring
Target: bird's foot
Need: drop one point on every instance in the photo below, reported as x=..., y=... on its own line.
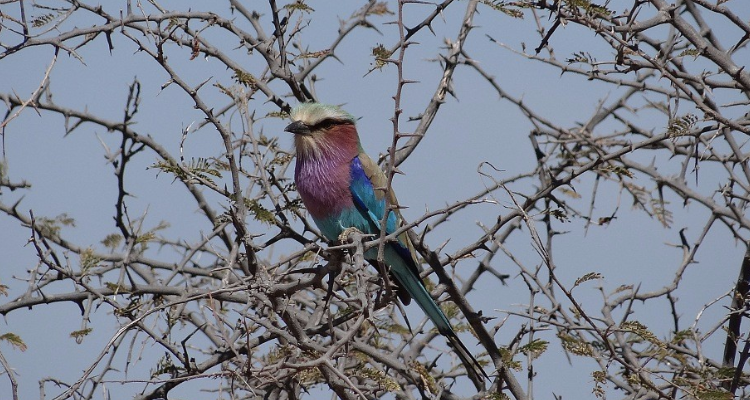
x=344, y=237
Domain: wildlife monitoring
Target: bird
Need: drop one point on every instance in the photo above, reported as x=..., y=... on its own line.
x=342, y=188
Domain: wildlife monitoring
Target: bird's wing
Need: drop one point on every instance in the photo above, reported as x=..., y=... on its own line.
x=368, y=188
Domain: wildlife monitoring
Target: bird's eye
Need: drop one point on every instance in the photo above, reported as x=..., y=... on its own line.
x=326, y=125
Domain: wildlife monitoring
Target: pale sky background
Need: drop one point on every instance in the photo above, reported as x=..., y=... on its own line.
x=70, y=175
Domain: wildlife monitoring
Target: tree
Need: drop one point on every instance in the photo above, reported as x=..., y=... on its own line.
x=209, y=276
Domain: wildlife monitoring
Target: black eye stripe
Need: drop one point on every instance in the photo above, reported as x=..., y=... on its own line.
x=328, y=123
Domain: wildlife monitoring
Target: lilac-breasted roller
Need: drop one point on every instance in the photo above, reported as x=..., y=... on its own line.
x=343, y=188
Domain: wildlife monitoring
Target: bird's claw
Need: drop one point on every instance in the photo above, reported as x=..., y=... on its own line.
x=344, y=236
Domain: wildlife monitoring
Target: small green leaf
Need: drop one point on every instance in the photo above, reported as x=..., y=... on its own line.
x=88, y=260
x=197, y=168
x=118, y=289
x=683, y=335
x=600, y=378
x=588, y=277
x=299, y=5
x=165, y=366
x=534, y=349
x=145, y=238
x=40, y=21
x=581, y=57
x=616, y=169
x=382, y=55
x=589, y=7
x=427, y=380
x=575, y=346
x=559, y=214
x=278, y=114
x=570, y=193
x=725, y=372
x=309, y=376
x=245, y=78
x=660, y=211
x=81, y=333
x=384, y=381
x=714, y=395
x=281, y=159
x=50, y=227
x=14, y=341
x=622, y=288
x=689, y=52
x=380, y=8
x=260, y=213
x=112, y=240
x=225, y=90
x=316, y=54
x=508, y=361
x=503, y=7
x=641, y=330
x=682, y=126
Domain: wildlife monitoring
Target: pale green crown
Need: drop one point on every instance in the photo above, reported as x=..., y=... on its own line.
x=313, y=113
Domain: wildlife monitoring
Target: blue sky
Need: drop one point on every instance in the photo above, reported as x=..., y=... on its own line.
x=69, y=174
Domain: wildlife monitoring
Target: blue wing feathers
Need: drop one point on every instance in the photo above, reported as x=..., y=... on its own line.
x=366, y=215
x=365, y=199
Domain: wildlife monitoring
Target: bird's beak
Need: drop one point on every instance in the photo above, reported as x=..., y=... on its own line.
x=298, y=128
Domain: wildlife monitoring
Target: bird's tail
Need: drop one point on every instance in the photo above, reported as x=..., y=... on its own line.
x=473, y=368
x=413, y=284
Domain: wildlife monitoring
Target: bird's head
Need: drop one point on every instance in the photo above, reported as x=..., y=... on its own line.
x=321, y=128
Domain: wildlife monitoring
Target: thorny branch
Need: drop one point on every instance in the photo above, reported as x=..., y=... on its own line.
x=252, y=305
